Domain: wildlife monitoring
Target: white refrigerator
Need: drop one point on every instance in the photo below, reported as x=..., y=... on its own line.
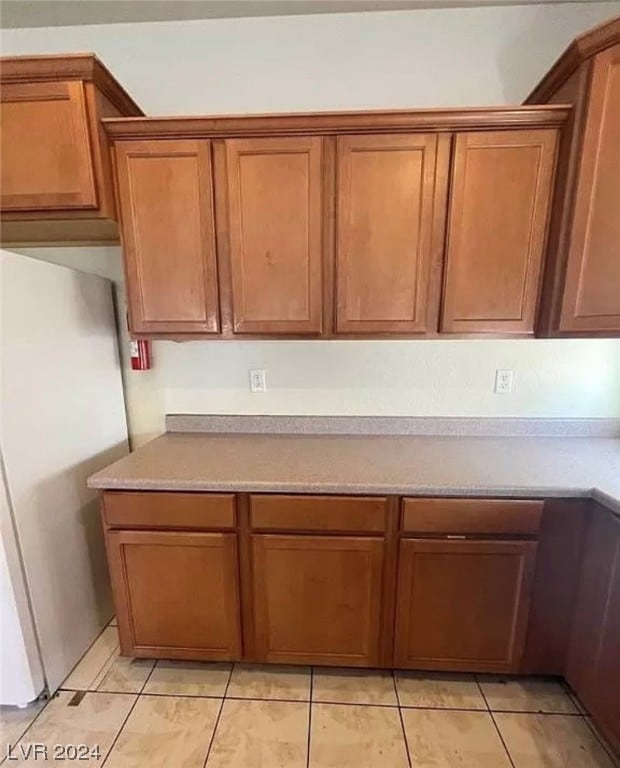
x=62, y=417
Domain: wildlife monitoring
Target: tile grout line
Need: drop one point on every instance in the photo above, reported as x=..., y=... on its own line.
x=133, y=706
x=30, y=724
x=120, y=730
x=615, y=760
x=310, y=703
x=499, y=733
x=587, y=718
x=402, y=722
x=219, y=714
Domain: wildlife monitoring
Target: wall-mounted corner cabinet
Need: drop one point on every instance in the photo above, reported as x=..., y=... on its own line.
x=582, y=281
x=353, y=225
x=56, y=174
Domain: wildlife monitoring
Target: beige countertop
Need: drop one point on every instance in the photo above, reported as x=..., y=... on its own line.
x=373, y=464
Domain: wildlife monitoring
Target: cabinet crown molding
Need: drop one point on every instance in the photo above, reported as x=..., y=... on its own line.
x=325, y=123
x=581, y=49
x=73, y=66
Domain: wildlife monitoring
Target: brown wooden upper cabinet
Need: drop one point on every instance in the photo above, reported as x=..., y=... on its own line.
x=391, y=194
x=497, y=223
x=582, y=280
x=311, y=226
x=167, y=228
x=56, y=175
x=275, y=234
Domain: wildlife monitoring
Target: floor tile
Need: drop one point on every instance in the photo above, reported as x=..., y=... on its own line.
x=113, y=622
x=13, y=723
x=87, y=670
x=124, y=675
x=440, y=691
x=94, y=722
x=270, y=682
x=353, y=686
x=164, y=731
x=526, y=695
x=354, y=736
x=551, y=741
x=260, y=734
x=188, y=678
x=446, y=739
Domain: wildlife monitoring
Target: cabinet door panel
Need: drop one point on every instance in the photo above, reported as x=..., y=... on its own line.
x=168, y=235
x=501, y=193
x=607, y=677
x=45, y=146
x=176, y=594
x=592, y=668
x=275, y=228
x=391, y=209
x=463, y=605
x=317, y=599
x=592, y=291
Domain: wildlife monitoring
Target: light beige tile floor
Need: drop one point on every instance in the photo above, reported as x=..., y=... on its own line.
x=280, y=682
x=438, y=691
x=188, y=678
x=191, y=715
x=92, y=725
x=353, y=686
x=551, y=741
x=526, y=695
x=164, y=731
x=14, y=722
x=446, y=738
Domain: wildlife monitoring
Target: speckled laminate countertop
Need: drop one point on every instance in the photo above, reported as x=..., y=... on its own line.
x=373, y=464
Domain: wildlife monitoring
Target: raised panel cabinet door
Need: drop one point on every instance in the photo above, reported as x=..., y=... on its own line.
x=45, y=147
x=592, y=290
x=176, y=594
x=592, y=668
x=167, y=228
x=275, y=234
x=502, y=183
x=317, y=599
x=607, y=675
x=463, y=605
x=391, y=193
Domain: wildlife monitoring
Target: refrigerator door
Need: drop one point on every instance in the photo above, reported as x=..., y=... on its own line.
x=21, y=672
x=62, y=417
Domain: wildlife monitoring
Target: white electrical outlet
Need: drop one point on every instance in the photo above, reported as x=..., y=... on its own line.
x=257, y=380
x=503, y=381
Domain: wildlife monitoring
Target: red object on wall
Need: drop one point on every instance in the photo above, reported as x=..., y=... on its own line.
x=140, y=351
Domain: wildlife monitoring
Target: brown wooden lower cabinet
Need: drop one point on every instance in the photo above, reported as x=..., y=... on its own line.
x=593, y=667
x=455, y=585
x=463, y=605
x=176, y=594
x=317, y=599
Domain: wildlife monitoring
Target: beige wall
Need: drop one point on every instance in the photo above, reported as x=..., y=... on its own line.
x=382, y=60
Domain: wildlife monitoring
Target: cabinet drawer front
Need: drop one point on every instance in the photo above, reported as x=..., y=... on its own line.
x=347, y=514
x=472, y=516
x=169, y=510
x=46, y=152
